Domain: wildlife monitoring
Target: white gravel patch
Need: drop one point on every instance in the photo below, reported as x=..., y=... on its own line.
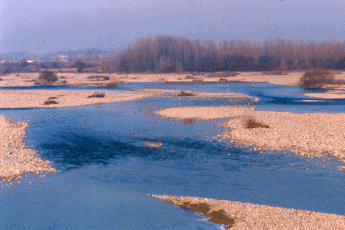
x=308, y=134
x=15, y=158
x=254, y=216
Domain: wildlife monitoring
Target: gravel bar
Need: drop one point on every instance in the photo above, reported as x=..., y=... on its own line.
x=253, y=216
x=15, y=158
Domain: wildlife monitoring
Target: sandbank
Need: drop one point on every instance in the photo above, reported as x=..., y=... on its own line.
x=15, y=158
x=308, y=134
x=330, y=94
x=290, y=78
x=66, y=98
x=254, y=216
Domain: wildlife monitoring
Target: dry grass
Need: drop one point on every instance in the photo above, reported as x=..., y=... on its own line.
x=317, y=78
x=252, y=124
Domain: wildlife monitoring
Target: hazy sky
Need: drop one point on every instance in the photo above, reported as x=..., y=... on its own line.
x=40, y=26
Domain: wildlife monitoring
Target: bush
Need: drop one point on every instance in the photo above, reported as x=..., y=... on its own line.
x=316, y=78
x=252, y=124
x=46, y=77
x=96, y=95
x=184, y=94
x=50, y=102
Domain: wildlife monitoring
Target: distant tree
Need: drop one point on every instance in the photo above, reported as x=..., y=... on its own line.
x=267, y=62
x=24, y=63
x=238, y=63
x=317, y=62
x=123, y=67
x=290, y=64
x=331, y=63
x=56, y=65
x=341, y=63
x=46, y=77
x=80, y=65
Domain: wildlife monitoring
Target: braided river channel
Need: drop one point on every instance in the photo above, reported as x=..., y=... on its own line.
x=106, y=170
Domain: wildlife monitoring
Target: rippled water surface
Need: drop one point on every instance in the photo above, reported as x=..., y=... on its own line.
x=106, y=169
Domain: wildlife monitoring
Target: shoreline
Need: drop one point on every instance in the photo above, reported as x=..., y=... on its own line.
x=238, y=215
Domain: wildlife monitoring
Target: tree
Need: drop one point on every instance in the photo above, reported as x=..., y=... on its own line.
x=46, y=77
x=80, y=65
x=341, y=63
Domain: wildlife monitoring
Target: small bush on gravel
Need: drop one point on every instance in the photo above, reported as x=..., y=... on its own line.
x=97, y=95
x=252, y=124
x=46, y=77
x=50, y=102
x=316, y=78
x=184, y=94
x=188, y=120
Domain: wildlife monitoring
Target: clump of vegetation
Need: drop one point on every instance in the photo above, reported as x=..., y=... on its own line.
x=197, y=81
x=111, y=84
x=189, y=77
x=52, y=98
x=50, y=102
x=188, y=120
x=218, y=216
x=0, y=79
x=316, y=78
x=223, y=80
x=99, y=77
x=252, y=124
x=184, y=94
x=100, y=95
x=46, y=77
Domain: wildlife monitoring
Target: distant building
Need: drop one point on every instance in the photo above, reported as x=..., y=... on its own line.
x=62, y=58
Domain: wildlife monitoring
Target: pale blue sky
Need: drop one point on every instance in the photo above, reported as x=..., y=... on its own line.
x=40, y=26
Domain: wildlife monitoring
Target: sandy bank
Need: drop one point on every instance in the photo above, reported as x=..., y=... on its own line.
x=309, y=134
x=15, y=158
x=330, y=94
x=292, y=78
x=254, y=216
x=65, y=98
x=205, y=113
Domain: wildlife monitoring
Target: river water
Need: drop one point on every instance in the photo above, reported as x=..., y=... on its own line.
x=106, y=169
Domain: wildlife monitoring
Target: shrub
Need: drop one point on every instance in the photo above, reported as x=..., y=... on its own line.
x=184, y=94
x=50, y=102
x=252, y=124
x=188, y=120
x=46, y=77
x=97, y=95
x=316, y=78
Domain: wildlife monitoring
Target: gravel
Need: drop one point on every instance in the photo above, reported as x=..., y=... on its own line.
x=254, y=216
x=15, y=158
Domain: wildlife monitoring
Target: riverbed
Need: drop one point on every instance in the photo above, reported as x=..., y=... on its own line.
x=106, y=169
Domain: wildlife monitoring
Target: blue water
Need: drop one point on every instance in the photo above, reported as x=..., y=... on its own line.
x=106, y=169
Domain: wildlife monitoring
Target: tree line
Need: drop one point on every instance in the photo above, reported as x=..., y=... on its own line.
x=170, y=54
